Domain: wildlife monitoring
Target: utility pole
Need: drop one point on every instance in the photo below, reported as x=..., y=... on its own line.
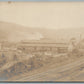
x=80, y=37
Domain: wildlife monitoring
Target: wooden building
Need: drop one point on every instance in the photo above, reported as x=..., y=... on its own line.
x=43, y=46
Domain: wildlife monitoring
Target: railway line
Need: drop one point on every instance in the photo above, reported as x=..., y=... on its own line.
x=66, y=72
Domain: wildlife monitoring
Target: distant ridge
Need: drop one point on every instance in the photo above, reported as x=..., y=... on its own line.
x=14, y=33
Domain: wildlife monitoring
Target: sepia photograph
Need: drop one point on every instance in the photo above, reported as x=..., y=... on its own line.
x=42, y=41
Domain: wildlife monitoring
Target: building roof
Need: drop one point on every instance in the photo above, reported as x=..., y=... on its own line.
x=45, y=41
x=44, y=44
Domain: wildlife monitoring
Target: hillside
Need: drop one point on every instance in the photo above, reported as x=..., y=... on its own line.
x=14, y=32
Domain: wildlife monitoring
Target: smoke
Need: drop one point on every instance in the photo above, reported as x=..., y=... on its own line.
x=18, y=36
x=36, y=36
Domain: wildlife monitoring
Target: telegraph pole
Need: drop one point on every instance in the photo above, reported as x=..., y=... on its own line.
x=80, y=37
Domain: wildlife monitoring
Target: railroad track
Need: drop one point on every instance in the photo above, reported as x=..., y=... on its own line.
x=60, y=73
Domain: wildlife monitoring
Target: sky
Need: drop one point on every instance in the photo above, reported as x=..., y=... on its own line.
x=43, y=14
